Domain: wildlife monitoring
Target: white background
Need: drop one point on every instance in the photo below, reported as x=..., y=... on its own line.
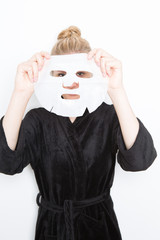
x=128, y=30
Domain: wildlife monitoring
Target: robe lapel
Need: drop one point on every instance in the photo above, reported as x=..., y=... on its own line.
x=73, y=149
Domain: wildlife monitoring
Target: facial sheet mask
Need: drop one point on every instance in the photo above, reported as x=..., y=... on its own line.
x=49, y=88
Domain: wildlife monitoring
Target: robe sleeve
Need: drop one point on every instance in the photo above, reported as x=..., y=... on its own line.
x=14, y=161
x=140, y=155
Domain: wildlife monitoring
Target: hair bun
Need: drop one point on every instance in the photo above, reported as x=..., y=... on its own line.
x=69, y=32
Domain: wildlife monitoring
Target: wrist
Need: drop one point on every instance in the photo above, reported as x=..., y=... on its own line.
x=113, y=91
x=24, y=94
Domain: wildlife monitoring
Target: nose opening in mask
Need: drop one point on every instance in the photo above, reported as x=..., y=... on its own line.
x=72, y=85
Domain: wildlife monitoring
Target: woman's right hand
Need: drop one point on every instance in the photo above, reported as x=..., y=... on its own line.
x=27, y=72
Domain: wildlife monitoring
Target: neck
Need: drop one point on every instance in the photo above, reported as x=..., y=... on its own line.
x=72, y=119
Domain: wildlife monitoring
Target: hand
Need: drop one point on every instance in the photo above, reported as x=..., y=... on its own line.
x=109, y=66
x=27, y=72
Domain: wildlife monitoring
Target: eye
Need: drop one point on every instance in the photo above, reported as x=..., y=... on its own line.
x=61, y=74
x=84, y=74
x=58, y=73
x=80, y=73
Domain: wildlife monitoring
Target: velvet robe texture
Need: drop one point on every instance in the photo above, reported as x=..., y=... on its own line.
x=74, y=162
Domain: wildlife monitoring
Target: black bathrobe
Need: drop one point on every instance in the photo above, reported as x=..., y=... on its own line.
x=74, y=167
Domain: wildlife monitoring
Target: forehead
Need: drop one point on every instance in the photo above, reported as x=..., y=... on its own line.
x=71, y=62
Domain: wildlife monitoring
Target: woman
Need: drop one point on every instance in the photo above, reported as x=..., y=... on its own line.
x=73, y=159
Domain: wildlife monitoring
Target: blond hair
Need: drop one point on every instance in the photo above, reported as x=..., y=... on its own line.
x=70, y=41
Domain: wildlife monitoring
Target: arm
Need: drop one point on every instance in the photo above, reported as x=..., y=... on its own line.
x=127, y=119
x=13, y=117
x=27, y=74
x=136, y=151
x=19, y=137
x=113, y=68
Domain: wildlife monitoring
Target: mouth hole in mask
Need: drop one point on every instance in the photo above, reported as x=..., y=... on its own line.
x=81, y=74
x=70, y=96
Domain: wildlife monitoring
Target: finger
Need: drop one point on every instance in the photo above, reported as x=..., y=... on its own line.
x=35, y=71
x=91, y=53
x=106, y=54
x=45, y=54
x=40, y=61
x=42, y=53
x=108, y=70
x=97, y=57
x=108, y=58
x=28, y=69
x=108, y=66
x=30, y=74
x=25, y=68
x=103, y=66
x=114, y=63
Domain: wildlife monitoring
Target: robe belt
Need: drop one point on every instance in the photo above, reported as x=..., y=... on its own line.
x=69, y=206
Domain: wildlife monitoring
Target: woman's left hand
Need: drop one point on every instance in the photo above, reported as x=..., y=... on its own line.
x=109, y=66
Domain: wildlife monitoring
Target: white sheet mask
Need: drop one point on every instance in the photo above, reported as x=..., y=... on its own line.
x=49, y=87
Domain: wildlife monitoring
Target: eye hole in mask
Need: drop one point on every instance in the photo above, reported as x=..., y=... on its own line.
x=81, y=74
x=58, y=73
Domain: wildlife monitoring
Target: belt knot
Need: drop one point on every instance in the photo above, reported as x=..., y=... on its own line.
x=68, y=208
x=68, y=215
